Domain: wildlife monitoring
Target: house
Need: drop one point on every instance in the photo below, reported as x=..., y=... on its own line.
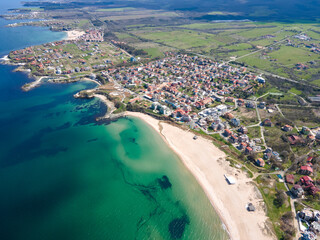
x=287, y=128
x=313, y=190
x=250, y=207
x=243, y=130
x=231, y=180
x=306, y=170
x=222, y=109
x=233, y=139
x=164, y=110
x=308, y=235
x=305, y=214
x=267, y=123
x=243, y=138
x=228, y=116
x=306, y=180
x=229, y=99
x=294, y=139
x=240, y=102
x=220, y=127
x=248, y=150
x=250, y=105
x=290, y=178
x=200, y=105
x=227, y=133
x=311, y=137
x=305, y=130
x=297, y=191
x=315, y=227
x=185, y=118
x=155, y=106
x=260, y=162
x=261, y=80
x=309, y=159
x=242, y=146
x=262, y=105
x=235, y=122
x=178, y=113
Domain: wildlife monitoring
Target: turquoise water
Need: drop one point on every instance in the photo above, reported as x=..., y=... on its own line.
x=63, y=176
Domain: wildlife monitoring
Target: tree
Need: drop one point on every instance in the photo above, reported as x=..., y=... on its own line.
x=281, y=198
x=287, y=217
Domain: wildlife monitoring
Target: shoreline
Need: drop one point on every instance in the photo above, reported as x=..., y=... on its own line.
x=208, y=165
x=5, y=58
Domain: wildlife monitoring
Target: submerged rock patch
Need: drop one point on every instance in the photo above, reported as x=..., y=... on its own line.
x=177, y=227
x=164, y=182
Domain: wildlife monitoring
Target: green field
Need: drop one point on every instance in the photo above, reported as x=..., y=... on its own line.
x=182, y=39
x=122, y=36
x=240, y=46
x=83, y=23
x=235, y=39
x=258, y=32
x=153, y=52
x=218, y=25
x=292, y=55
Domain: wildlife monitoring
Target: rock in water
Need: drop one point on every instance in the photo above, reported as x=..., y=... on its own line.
x=177, y=227
x=164, y=182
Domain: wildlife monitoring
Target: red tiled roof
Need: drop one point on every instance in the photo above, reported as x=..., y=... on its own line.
x=306, y=179
x=306, y=168
x=309, y=159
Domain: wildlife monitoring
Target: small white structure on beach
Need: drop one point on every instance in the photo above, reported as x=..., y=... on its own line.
x=231, y=180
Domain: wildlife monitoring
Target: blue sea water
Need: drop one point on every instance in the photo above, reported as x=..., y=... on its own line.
x=63, y=176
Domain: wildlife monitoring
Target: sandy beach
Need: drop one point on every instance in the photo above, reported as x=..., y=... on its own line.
x=107, y=102
x=74, y=34
x=208, y=165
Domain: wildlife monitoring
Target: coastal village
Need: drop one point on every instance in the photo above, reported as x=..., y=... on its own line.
x=70, y=59
x=204, y=95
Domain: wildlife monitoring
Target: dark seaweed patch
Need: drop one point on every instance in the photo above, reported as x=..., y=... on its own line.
x=92, y=140
x=177, y=227
x=164, y=182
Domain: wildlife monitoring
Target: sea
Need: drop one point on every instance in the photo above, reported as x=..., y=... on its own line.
x=65, y=176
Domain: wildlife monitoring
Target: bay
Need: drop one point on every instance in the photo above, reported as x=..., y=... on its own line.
x=63, y=176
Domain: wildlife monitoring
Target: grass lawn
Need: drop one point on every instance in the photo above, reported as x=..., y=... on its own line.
x=254, y=132
x=313, y=203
